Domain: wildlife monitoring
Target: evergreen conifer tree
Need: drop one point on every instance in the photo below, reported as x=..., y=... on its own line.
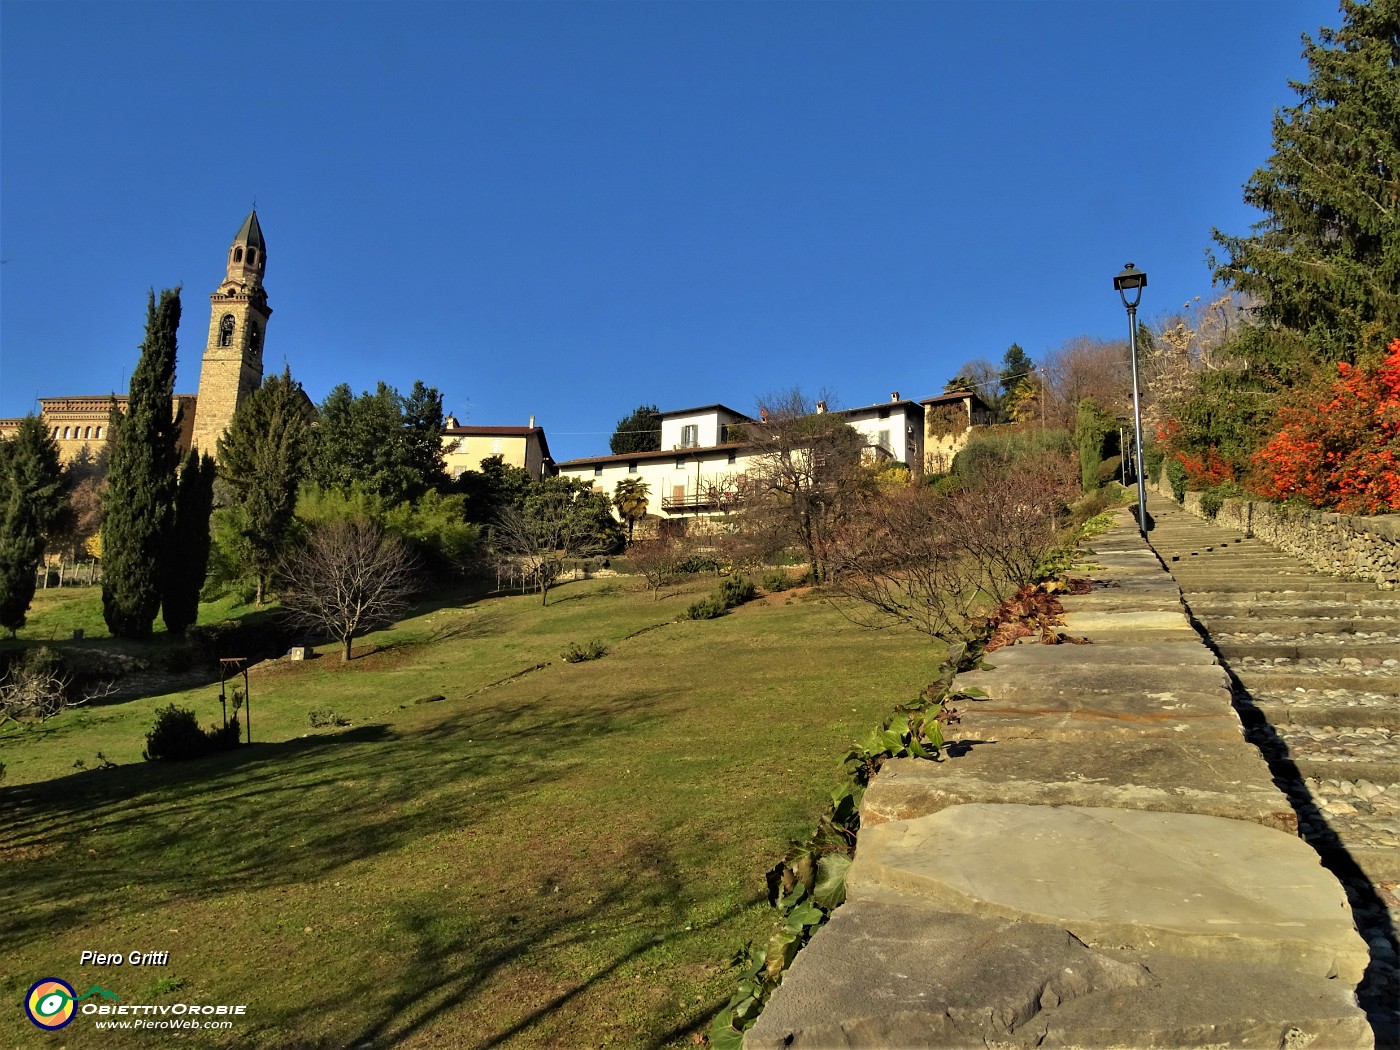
x=33, y=488
x=141, y=480
x=1325, y=260
x=187, y=554
x=423, y=424
x=638, y=432
x=262, y=459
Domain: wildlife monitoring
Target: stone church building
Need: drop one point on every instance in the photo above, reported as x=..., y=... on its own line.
x=231, y=370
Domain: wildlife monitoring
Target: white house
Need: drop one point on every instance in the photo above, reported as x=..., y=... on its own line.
x=893, y=429
x=697, y=473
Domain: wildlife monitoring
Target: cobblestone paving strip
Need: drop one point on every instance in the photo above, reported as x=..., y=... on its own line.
x=1316, y=666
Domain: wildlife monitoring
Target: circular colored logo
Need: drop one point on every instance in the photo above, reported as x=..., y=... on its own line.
x=50, y=1004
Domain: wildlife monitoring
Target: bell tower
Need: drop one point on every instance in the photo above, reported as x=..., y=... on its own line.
x=233, y=356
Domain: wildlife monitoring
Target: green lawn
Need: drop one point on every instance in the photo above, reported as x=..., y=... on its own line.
x=567, y=858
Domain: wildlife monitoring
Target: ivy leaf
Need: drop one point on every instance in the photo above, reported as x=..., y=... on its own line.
x=830, y=889
x=804, y=915
x=726, y=1038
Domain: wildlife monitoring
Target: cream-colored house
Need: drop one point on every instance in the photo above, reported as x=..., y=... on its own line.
x=525, y=447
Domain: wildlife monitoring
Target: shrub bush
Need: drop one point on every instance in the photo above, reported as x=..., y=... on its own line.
x=699, y=563
x=177, y=736
x=1152, y=457
x=1339, y=450
x=736, y=591
x=324, y=716
x=577, y=654
x=257, y=635
x=775, y=581
x=1214, y=498
x=707, y=608
x=1176, y=478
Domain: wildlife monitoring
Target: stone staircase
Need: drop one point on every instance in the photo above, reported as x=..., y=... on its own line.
x=1315, y=666
x=1104, y=860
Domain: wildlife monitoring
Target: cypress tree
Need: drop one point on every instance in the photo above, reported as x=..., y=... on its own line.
x=141, y=480
x=33, y=488
x=262, y=459
x=187, y=555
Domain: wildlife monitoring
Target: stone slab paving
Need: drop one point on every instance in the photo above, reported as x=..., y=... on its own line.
x=1228, y=780
x=1104, y=861
x=1316, y=671
x=1196, y=886
x=907, y=976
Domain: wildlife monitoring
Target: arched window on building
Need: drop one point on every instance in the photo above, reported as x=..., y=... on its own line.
x=98, y=435
x=252, y=256
x=238, y=255
x=65, y=433
x=87, y=433
x=226, y=330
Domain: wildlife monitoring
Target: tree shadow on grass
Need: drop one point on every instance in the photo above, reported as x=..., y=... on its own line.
x=85, y=846
x=440, y=975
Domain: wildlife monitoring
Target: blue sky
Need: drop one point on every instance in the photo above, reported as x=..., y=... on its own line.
x=566, y=210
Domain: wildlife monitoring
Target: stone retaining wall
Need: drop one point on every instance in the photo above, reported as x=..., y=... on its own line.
x=1341, y=544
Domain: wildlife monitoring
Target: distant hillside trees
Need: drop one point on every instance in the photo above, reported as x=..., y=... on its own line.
x=33, y=490
x=382, y=444
x=140, y=505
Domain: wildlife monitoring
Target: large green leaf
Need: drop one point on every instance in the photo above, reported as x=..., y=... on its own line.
x=830, y=889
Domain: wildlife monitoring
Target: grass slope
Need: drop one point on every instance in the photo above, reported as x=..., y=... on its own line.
x=565, y=859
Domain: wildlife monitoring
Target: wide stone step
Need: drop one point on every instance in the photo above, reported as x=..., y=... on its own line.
x=1342, y=649
x=1122, y=878
x=1344, y=769
x=1204, y=606
x=1257, y=587
x=1323, y=713
x=1260, y=681
x=1294, y=627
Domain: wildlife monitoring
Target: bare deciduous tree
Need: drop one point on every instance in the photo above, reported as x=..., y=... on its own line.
x=1086, y=367
x=658, y=561
x=347, y=578
x=37, y=688
x=560, y=519
x=805, y=475
x=940, y=562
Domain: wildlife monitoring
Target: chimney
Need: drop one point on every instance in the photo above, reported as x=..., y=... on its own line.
x=821, y=407
x=894, y=395
x=532, y=422
x=451, y=423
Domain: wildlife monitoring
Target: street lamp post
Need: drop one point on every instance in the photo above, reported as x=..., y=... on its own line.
x=1132, y=280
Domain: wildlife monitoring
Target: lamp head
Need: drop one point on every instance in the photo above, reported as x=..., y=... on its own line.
x=1130, y=280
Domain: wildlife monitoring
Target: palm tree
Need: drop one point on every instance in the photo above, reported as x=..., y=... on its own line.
x=630, y=499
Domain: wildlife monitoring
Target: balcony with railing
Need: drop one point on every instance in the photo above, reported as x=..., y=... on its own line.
x=718, y=500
